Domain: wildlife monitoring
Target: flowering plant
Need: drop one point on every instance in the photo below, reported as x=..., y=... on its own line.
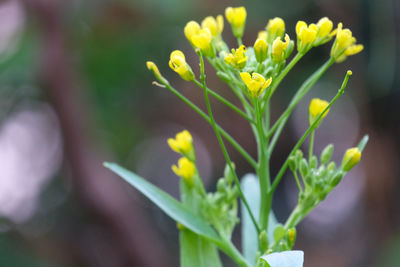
x=206, y=220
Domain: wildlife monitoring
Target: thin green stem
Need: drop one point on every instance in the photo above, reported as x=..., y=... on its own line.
x=296, y=178
x=278, y=80
x=221, y=142
x=311, y=145
x=303, y=90
x=226, y=102
x=239, y=41
x=309, y=130
x=230, y=250
x=226, y=135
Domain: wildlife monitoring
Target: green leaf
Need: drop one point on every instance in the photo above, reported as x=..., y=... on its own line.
x=294, y=258
x=167, y=203
x=197, y=251
x=251, y=190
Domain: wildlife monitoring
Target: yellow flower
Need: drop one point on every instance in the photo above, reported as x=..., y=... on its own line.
x=237, y=58
x=261, y=50
x=183, y=142
x=237, y=18
x=202, y=39
x=215, y=25
x=325, y=26
x=279, y=48
x=185, y=169
x=191, y=28
x=256, y=83
x=351, y=158
x=275, y=28
x=306, y=35
x=178, y=63
x=345, y=44
x=317, y=106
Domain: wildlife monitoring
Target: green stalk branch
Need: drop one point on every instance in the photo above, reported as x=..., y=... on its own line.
x=226, y=102
x=221, y=142
x=311, y=128
x=303, y=90
x=226, y=135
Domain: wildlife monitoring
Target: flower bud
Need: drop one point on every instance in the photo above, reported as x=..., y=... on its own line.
x=237, y=18
x=263, y=241
x=325, y=26
x=279, y=49
x=183, y=143
x=275, y=28
x=313, y=162
x=326, y=154
x=351, y=158
x=261, y=50
x=178, y=64
x=317, y=106
x=202, y=39
x=292, y=163
x=291, y=237
x=303, y=167
x=215, y=25
x=153, y=68
x=185, y=169
x=336, y=179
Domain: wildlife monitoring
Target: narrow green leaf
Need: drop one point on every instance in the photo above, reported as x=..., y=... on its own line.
x=197, y=251
x=167, y=203
x=294, y=258
x=251, y=190
x=363, y=142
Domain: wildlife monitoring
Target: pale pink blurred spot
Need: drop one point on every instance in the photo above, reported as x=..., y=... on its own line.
x=30, y=154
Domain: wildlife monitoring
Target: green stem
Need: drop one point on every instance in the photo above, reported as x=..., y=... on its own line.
x=296, y=177
x=311, y=128
x=311, y=145
x=230, y=250
x=226, y=102
x=239, y=41
x=282, y=75
x=226, y=135
x=303, y=90
x=221, y=142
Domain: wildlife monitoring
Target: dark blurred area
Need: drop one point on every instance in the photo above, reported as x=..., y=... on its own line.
x=75, y=92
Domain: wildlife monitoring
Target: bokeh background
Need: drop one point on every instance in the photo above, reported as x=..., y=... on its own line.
x=74, y=92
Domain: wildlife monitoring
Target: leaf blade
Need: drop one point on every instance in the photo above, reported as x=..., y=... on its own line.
x=294, y=258
x=165, y=202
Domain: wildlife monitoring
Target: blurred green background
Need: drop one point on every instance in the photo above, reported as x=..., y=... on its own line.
x=74, y=92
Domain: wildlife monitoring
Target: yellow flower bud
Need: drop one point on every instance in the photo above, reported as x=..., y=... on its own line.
x=317, y=106
x=351, y=158
x=345, y=44
x=191, y=28
x=183, y=142
x=185, y=169
x=237, y=58
x=306, y=35
x=261, y=50
x=202, y=39
x=325, y=26
x=214, y=25
x=262, y=35
x=237, y=18
x=153, y=68
x=275, y=28
x=279, y=48
x=256, y=83
x=178, y=63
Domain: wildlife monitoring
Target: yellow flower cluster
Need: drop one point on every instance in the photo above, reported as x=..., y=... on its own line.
x=237, y=58
x=313, y=34
x=236, y=16
x=317, y=106
x=345, y=44
x=351, y=157
x=256, y=83
x=178, y=63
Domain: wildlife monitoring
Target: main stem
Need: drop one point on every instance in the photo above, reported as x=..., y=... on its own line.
x=263, y=169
